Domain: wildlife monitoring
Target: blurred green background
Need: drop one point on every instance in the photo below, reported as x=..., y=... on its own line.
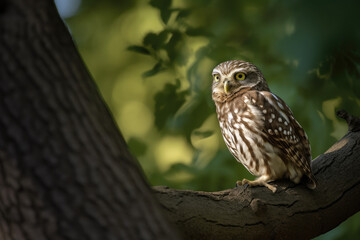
x=152, y=61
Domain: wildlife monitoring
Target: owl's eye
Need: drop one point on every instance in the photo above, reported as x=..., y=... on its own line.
x=216, y=77
x=240, y=76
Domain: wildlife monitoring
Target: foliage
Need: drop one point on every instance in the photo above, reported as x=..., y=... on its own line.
x=153, y=61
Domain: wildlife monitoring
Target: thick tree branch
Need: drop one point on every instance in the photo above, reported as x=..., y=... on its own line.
x=293, y=212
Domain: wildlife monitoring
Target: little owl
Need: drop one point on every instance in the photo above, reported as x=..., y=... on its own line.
x=258, y=127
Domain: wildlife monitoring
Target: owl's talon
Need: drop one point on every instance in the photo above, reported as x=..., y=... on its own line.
x=270, y=187
x=246, y=183
x=238, y=184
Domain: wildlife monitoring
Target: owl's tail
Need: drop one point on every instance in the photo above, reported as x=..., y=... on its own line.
x=311, y=182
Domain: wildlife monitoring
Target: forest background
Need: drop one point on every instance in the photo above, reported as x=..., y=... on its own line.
x=152, y=62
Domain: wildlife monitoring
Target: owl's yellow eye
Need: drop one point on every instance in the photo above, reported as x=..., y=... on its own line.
x=216, y=77
x=240, y=76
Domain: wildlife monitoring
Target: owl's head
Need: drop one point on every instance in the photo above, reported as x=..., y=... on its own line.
x=235, y=76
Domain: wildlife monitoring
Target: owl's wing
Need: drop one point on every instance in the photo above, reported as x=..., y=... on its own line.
x=284, y=132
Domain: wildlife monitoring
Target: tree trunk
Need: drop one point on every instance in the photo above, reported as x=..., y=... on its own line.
x=293, y=212
x=65, y=170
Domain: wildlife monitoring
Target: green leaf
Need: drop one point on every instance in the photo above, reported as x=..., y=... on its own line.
x=139, y=49
x=177, y=51
x=165, y=15
x=137, y=146
x=183, y=13
x=204, y=134
x=163, y=36
x=167, y=103
x=200, y=31
x=161, y=4
x=150, y=39
x=179, y=167
x=156, y=41
x=194, y=114
x=156, y=69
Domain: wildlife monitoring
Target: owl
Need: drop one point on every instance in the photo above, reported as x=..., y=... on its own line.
x=258, y=127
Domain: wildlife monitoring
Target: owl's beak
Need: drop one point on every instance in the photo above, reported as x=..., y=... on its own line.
x=226, y=86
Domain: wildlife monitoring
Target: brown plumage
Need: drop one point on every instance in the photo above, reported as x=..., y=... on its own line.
x=258, y=127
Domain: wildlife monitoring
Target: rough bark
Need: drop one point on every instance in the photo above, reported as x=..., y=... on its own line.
x=293, y=212
x=65, y=170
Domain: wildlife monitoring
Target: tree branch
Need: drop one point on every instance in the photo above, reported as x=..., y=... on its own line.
x=293, y=212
